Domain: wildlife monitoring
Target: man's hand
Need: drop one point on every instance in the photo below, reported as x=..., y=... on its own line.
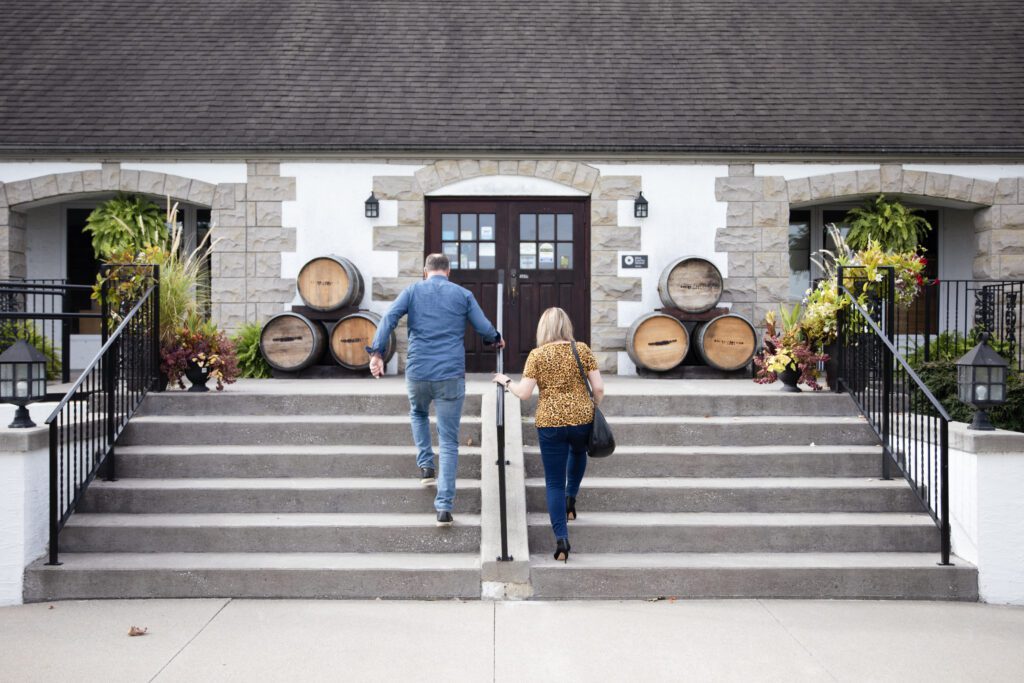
x=500, y=344
x=376, y=365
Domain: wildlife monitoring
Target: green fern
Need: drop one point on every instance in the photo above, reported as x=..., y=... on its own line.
x=251, y=362
x=897, y=228
x=125, y=223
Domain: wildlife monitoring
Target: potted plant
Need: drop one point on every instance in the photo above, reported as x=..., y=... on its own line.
x=787, y=356
x=895, y=227
x=200, y=352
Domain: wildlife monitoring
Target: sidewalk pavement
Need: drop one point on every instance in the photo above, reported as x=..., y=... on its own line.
x=680, y=640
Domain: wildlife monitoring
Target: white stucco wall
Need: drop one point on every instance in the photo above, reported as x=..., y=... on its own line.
x=227, y=172
x=23, y=170
x=24, y=500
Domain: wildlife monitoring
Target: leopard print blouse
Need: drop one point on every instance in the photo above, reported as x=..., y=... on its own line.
x=564, y=400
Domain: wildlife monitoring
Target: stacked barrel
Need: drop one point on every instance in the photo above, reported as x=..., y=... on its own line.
x=329, y=329
x=691, y=329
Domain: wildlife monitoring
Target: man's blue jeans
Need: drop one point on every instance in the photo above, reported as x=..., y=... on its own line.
x=447, y=396
x=564, y=453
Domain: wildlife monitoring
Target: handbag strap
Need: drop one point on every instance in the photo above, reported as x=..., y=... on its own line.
x=583, y=375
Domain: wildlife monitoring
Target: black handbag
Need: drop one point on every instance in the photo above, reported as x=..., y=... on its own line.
x=602, y=441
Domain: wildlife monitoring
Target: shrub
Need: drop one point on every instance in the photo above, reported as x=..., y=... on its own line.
x=892, y=224
x=200, y=342
x=15, y=330
x=125, y=223
x=251, y=362
x=940, y=378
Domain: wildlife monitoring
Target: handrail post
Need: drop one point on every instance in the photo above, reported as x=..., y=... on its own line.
x=889, y=301
x=54, y=491
x=155, y=331
x=500, y=420
x=840, y=334
x=944, y=528
x=65, y=340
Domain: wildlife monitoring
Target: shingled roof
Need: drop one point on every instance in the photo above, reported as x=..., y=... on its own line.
x=657, y=76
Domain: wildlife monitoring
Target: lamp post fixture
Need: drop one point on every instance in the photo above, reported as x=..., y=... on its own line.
x=640, y=206
x=22, y=379
x=372, y=206
x=981, y=381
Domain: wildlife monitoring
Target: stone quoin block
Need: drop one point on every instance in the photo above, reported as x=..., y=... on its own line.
x=604, y=212
x=982, y=268
x=741, y=170
x=398, y=238
x=739, y=214
x=983, y=242
x=1011, y=217
x=741, y=264
x=151, y=182
x=224, y=197
x=607, y=362
x=18, y=192
x=266, y=264
x=960, y=188
x=585, y=178
x=1006, y=191
x=250, y=213
x=427, y=179
x=767, y=214
x=891, y=178
x=1006, y=241
x=616, y=187
x=267, y=168
x=604, y=313
x=46, y=186
x=545, y=169
x=823, y=186
x=270, y=239
x=604, y=262
x=527, y=167
x=228, y=264
x=845, y=183
x=983, y=192
x=775, y=238
x=740, y=289
x=869, y=182
x=240, y=193
x=176, y=186
x=228, y=289
x=739, y=189
x=228, y=238
x=565, y=171
x=230, y=218
x=270, y=289
x=775, y=189
x=771, y=264
x=201, y=193
x=606, y=288
x=985, y=219
x=270, y=189
x=914, y=182
x=410, y=213
x=799, y=190
x=469, y=168
x=92, y=181
x=396, y=187
x=615, y=237
x=737, y=239
x=936, y=184
x=410, y=263
x=770, y=289
x=3, y=196
x=388, y=288
x=488, y=167
x=608, y=338
x=111, y=176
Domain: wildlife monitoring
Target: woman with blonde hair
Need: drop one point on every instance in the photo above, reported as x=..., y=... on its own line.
x=565, y=414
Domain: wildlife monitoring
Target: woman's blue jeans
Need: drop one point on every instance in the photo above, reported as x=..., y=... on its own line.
x=447, y=396
x=564, y=453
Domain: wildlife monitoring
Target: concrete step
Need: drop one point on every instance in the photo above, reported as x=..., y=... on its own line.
x=619, y=532
x=728, y=461
x=669, y=494
x=908, y=576
x=255, y=575
x=280, y=533
x=154, y=462
x=787, y=430
x=183, y=403
x=241, y=430
x=272, y=495
x=731, y=403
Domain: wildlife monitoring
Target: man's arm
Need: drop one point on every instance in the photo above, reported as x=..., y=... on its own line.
x=480, y=322
x=388, y=324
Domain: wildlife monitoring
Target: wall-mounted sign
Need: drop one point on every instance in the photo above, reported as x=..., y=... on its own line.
x=634, y=261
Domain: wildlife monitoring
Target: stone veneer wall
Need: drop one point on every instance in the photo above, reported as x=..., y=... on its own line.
x=607, y=237
x=247, y=229
x=756, y=236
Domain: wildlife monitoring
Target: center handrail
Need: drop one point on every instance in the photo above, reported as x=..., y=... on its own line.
x=911, y=423
x=500, y=425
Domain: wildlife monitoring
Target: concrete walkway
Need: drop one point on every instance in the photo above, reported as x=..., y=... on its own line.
x=743, y=640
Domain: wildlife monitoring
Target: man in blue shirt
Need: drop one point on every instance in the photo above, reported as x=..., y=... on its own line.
x=436, y=367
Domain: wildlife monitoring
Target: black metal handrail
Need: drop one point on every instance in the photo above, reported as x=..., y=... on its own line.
x=500, y=424
x=85, y=424
x=43, y=302
x=911, y=423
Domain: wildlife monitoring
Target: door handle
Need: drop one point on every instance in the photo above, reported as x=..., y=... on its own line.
x=513, y=288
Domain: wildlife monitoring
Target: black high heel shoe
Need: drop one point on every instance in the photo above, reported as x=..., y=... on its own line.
x=562, y=550
x=570, y=508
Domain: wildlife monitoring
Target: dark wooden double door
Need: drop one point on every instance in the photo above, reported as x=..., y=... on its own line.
x=538, y=248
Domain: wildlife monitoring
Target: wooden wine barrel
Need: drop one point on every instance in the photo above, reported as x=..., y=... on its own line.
x=691, y=284
x=657, y=342
x=291, y=342
x=327, y=283
x=350, y=337
x=728, y=342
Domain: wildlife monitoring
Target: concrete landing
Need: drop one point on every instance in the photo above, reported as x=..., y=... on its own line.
x=298, y=640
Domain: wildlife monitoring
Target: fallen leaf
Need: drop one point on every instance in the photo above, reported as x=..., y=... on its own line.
x=51, y=606
x=469, y=441
x=657, y=599
x=136, y=631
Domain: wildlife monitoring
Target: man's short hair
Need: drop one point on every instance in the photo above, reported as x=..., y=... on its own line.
x=437, y=262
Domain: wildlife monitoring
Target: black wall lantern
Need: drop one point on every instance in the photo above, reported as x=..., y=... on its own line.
x=981, y=381
x=22, y=379
x=640, y=206
x=372, y=207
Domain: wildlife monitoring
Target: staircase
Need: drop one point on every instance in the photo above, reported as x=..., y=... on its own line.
x=719, y=494
x=251, y=495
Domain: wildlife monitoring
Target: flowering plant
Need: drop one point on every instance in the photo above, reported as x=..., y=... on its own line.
x=787, y=351
x=201, y=344
x=908, y=270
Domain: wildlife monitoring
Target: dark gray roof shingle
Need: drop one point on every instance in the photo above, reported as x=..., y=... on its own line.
x=683, y=76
